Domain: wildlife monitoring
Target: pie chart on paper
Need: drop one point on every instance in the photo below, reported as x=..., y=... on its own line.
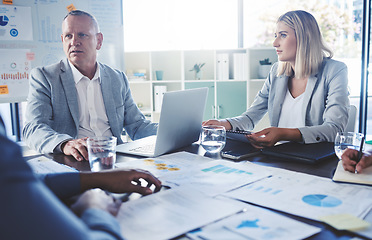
x=4, y=20
x=320, y=200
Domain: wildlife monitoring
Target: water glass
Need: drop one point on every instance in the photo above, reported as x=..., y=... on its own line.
x=101, y=153
x=213, y=138
x=346, y=140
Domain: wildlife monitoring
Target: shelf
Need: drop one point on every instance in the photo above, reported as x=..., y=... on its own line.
x=226, y=97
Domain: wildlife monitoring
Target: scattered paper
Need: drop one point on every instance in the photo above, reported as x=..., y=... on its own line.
x=219, y=176
x=306, y=195
x=256, y=223
x=170, y=213
x=165, y=164
x=44, y=165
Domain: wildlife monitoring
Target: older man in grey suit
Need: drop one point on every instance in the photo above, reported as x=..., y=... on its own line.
x=79, y=97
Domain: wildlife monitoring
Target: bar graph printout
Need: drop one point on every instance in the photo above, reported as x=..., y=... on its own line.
x=219, y=176
x=255, y=223
x=306, y=195
x=210, y=176
x=15, y=66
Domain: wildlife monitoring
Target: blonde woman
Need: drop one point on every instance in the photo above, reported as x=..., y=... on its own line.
x=305, y=93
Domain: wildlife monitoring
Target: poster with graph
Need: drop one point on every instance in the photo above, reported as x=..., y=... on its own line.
x=14, y=74
x=37, y=26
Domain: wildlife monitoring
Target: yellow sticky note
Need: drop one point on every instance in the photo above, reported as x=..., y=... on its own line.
x=7, y=1
x=71, y=7
x=345, y=222
x=4, y=89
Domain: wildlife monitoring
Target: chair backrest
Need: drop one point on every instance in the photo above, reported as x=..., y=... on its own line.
x=350, y=126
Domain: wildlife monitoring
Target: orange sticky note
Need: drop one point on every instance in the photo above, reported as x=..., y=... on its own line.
x=7, y=1
x=4, y=89
x=71, y=7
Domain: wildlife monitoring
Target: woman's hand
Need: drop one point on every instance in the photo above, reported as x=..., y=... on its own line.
x=269, y=136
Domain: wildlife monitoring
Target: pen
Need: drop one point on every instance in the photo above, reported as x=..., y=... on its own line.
x=360, y=153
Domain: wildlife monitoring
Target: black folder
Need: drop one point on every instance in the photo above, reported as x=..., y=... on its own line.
x=310, y=153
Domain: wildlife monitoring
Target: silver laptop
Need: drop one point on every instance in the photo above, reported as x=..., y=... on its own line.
x=179, y=125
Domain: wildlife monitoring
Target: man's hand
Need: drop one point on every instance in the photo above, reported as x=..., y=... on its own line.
x=222, y=122
x=76, y=148
x=96, y=198
x=349, y=161
x=120, y=181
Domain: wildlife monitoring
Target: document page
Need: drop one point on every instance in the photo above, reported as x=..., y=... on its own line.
x=44, y=165
x=219, y=176
x=306, y=195
x=170, y=213
x=165, y=164
x=255, y=223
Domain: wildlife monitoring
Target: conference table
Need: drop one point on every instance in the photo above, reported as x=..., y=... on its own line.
x=323, y=169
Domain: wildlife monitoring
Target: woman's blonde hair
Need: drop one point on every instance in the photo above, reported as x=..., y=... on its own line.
x=311, y=48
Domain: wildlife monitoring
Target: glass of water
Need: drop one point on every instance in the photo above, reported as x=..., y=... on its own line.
x=346, y=140
x=101, y=153
x=213, y=138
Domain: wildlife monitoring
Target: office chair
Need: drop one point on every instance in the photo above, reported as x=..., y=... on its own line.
x=350, y=126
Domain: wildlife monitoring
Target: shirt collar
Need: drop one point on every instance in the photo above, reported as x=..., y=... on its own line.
x=77, y=75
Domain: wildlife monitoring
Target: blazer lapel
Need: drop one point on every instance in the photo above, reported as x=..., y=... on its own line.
x=311, y=82
x=68, y=84
x=108, y=99
x=280, y=92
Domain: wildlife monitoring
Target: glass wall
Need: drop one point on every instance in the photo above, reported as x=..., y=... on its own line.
x=151, y=25
x=340, y=23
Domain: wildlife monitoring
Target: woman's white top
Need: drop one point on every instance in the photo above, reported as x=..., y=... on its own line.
x=291, y=115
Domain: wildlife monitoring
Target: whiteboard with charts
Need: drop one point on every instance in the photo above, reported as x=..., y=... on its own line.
x=30, y=36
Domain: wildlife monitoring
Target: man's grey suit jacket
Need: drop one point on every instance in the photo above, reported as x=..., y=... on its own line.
x=52, y=114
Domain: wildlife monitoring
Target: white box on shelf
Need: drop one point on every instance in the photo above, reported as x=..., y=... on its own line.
x=158, y=96
x=222, y=66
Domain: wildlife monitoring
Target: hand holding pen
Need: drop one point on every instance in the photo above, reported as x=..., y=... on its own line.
x=355, y=161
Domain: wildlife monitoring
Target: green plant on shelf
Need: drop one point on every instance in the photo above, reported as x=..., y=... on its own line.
x=266, y=61
x=197, y=67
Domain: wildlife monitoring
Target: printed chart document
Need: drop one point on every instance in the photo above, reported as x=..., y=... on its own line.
x=165, y=164
x=306, y=195
x=44, y=165
x=255, y=223
x=170, y=213
x=219, y=176
x=344, y=176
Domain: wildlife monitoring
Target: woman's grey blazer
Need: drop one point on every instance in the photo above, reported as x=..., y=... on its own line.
x=326, y=103
x=52, y=114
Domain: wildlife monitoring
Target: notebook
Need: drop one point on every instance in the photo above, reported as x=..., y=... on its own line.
x=342, y=175
x=179, y=125
x=310, y=153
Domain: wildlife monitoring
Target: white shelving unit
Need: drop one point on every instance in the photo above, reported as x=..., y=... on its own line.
x=227, y=97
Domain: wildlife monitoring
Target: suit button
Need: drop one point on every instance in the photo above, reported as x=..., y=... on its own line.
x=317, y=138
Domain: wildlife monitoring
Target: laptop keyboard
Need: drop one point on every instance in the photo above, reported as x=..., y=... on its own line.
x=150, y=148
